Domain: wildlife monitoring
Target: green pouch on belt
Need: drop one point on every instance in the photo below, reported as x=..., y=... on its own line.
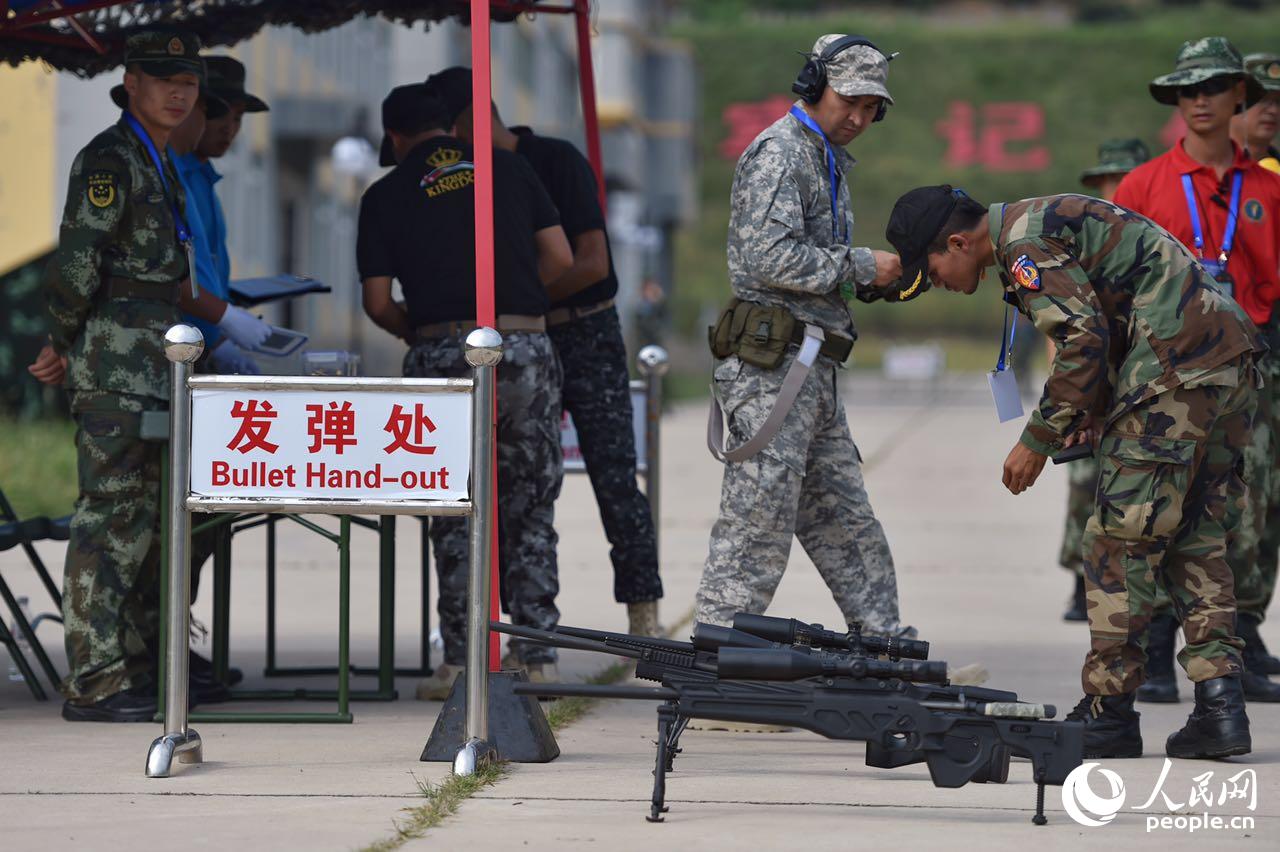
x=758, y=334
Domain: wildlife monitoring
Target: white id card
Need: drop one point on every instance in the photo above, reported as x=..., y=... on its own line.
x=1004, y=390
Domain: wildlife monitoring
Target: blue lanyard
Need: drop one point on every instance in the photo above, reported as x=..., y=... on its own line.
x=1006, y=345
x=1233, y=214
x=180, y=224
x=807, y=120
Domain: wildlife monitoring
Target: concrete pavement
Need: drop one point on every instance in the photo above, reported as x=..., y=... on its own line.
x=977, y=575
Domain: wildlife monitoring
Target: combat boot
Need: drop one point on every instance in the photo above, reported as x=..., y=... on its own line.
x=1110, y=726
x=1247, y=629
x=543, y=672
x=642, y=619
x=1078, y=611
x=1161, y=686
x=136, y=704
x=1218, y=726
x=439, y=684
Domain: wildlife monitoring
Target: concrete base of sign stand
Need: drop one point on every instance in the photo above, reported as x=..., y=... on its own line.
x=518, y=728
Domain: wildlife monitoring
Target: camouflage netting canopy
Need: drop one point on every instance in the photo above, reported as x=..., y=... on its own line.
x=39, y=30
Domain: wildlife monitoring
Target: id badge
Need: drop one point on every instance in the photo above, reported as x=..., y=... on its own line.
x=1004, y=391
x=1223, y=278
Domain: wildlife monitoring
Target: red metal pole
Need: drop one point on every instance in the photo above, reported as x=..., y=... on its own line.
x=587, y=87
x=486, y=312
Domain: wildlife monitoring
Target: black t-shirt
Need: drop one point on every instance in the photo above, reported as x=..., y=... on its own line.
x=572, y=185
x=417, y=225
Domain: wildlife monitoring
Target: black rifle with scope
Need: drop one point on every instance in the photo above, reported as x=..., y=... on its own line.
x=904, y=710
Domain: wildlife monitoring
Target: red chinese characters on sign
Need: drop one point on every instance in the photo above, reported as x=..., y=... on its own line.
x=746, y=120
x=255, y=422
x=985, y=143
x=331, y=426
x=401, y=423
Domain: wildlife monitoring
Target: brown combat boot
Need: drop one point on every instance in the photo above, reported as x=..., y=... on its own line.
x=642, y=619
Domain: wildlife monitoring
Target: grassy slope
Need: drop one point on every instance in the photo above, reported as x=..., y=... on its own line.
x=1091, y=81
x=38, y=466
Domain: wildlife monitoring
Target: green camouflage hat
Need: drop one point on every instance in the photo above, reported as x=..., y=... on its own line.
x=1203, y=59
x=164, y=53
x=1116, y=157
x=1265, y=68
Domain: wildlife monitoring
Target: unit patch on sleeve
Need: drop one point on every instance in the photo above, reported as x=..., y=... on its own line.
x=101, y=189
x=1026, y=273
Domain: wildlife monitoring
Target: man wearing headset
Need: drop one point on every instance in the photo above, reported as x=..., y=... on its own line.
x=791, y=467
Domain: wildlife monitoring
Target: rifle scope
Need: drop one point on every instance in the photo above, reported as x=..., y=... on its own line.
x=790, y=664
x=788, y=631
x=713, y=637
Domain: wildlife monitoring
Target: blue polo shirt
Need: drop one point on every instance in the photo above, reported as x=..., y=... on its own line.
x=209, y=230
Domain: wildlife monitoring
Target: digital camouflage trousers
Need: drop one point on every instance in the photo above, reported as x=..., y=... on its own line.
x=530, y=470
x=806, y=484
x=1169, y=485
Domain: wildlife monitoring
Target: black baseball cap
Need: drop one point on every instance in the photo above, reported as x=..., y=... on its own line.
x=453, y=86
x=407, y=109
x=916, y=219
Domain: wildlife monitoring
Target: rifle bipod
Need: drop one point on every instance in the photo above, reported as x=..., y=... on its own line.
x=668, y=731
x=1039, y=818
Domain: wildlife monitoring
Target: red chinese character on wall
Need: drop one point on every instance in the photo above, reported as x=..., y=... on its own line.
x=1001, y=125
x=255, y=423
x=401, y=423
x=331, y=427
x=746, y=120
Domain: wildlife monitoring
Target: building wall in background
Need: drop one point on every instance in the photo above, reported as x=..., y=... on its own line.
x=27, y=134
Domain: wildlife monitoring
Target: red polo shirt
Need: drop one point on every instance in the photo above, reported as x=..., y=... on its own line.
x=1154, y=189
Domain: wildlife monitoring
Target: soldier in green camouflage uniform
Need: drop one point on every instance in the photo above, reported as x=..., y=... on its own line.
x=789, y=248
x=1116, y=158
x=1154, y=362
x=113, y=288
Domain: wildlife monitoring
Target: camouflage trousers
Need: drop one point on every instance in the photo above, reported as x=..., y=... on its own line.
x=530, y=470
x=111, y=586
x=597, y=393
x=1168, y=487
x=1082, y=487
x=1255, y=545
x=807, y=483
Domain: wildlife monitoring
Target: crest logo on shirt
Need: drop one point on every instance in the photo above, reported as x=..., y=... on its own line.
x=1026, y=273
x=451, y=172
x=1253, y=210
x=101, y=189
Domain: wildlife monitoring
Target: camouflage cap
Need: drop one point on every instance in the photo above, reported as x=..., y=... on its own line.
x=1265, y=68
x=1116, y=157
x=856, y=70
x=1203, y=59
x=164, y=53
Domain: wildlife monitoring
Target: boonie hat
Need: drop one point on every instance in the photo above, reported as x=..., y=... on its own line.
x=402, y=109
x=1265, y=68
x=164, y=53
x=857, y=70
x=1203, y=59
x=916, y=219
x=1116, y=157
x=226, y=79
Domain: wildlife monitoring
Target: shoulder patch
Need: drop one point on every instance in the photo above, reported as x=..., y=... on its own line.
x=1025, y=273
x=100, y=187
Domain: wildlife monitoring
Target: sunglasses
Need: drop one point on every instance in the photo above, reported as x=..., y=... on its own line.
x=1210, y=87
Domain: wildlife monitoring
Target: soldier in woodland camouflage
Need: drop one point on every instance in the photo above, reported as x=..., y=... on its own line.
x=1155, y=367
x=789, y=249
x=114, y=287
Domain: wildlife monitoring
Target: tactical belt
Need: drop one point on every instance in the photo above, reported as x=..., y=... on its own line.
x=128, y=288
x=812, y=342
x=562, y=316
x=506, y=322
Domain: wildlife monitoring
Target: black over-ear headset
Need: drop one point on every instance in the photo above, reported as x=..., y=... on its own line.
x=812, y=78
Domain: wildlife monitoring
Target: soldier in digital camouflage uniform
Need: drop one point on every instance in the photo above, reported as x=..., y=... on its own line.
x=416, y=226
x=583, y=325
x=1155, y=367
x=1116, y=158
x=789, y=248
x=114, y=287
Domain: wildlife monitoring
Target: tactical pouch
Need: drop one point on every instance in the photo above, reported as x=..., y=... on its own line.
x=758, y=334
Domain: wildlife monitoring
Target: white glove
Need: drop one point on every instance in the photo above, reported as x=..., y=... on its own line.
x=227, y=359
x=243, y=328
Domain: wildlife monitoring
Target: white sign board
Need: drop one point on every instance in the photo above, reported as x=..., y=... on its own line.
x=381, y=446
x=573, y=461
